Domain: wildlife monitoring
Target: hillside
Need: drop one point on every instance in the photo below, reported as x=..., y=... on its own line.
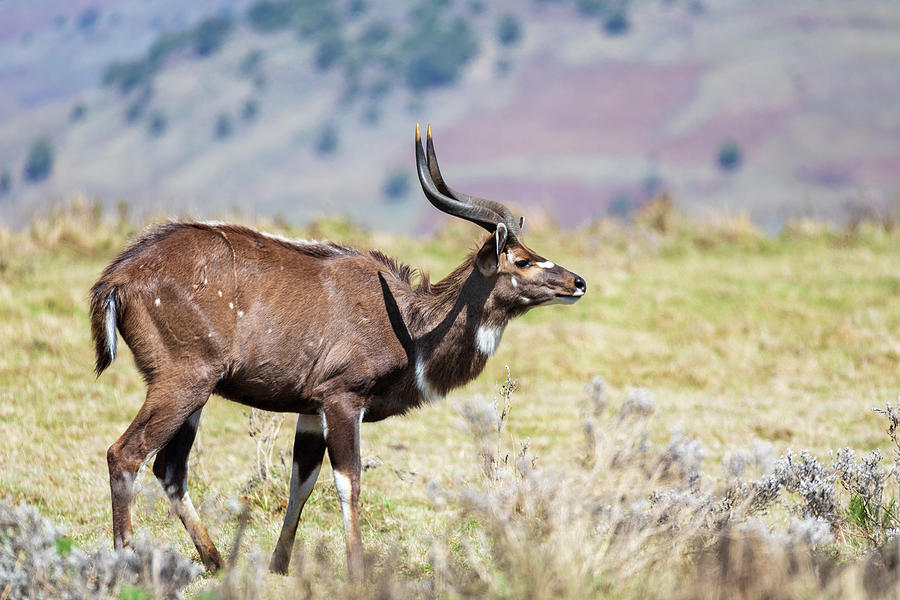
x=574, y=109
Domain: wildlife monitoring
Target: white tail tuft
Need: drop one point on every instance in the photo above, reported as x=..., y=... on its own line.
x=110, y=307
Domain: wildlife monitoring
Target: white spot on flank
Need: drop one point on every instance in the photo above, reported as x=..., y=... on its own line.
x=269, y=330
x=514, y=282
x=487, y=338
x=209, y=334
x=156, y=302
x=231, y=305
x=220, y=293
x=545, y=264
x=240, y=313
x=429, y=394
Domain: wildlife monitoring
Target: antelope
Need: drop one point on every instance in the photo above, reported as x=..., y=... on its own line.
x=338, y=336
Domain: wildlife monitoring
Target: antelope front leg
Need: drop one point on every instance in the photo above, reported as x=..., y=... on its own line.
x=342, y=440
x=309, y=447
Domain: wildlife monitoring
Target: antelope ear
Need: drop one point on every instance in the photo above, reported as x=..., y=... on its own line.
x=500, y=236
x=488, y=257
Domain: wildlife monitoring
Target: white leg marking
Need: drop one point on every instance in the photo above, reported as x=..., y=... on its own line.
x=344, y=490
x=144, y=464
x=324, y=424
x=299, y=494
x=487, y=338
x=429, y=394
x=545, y=264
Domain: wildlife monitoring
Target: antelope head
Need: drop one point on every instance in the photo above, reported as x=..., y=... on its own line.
x=521, y=278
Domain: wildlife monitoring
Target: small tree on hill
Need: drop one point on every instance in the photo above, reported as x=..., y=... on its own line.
x=5, y=182
x=509, y=30
x=326, y=140
x=729, y=158
x=39, y=162
x=223, y=127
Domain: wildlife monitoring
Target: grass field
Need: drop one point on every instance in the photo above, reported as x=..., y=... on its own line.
x=742, y=341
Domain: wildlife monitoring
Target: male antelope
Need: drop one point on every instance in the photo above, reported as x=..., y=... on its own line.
x=318, y=329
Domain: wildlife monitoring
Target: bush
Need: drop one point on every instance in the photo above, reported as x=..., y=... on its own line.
x=267, y=16
x=78, y=111
x=316, y=19
x=375, y=34
x=326, y=142
x=250, y=110
x=616, y=24
x=729, y=158
x=437, y=53
x=328, y=52
x=88, y=18
x=134, y=111
x=39, y=162
x=210, y=34
x=509, y=30
x=251, y=62
x=357, y=8
x=396, y=186
x=5, y=182
x=157, y=125
x=128, y=75
x=223, y=128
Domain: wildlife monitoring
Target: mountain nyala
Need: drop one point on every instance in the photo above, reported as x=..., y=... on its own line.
x=336, y=335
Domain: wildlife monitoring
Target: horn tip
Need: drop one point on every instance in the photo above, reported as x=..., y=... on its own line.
x=418, y=135
x=429, y=131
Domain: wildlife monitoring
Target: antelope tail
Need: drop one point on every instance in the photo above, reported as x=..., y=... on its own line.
x=104, y=317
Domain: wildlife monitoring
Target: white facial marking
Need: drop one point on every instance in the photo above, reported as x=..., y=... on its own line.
x=487, y=338
x=578, y=293
x=156, y=302
x=429, y=394
x=511, y=257
x=545, y=264
x=514, y=282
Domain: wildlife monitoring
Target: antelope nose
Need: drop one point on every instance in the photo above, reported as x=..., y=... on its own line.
x=580, y=285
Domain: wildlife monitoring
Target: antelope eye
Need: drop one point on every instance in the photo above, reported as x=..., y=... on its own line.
x=523, y=263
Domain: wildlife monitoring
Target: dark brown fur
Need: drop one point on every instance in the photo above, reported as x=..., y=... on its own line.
x=316, y=329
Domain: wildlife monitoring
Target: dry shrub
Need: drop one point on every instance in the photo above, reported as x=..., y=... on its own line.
x=37, y=561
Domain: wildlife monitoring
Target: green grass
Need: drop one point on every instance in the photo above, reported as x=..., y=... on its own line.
x=792, y=340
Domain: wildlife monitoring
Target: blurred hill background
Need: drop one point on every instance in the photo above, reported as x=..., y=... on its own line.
x=570, y=109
